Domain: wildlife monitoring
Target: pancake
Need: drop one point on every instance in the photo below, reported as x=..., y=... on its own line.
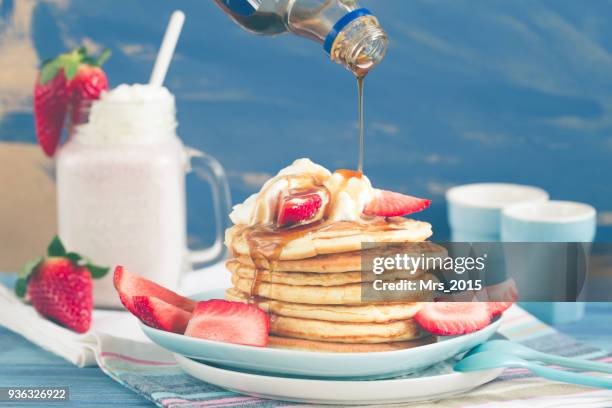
x=320, y=330
x=326, y=238
x=349, y=294
x=343, y=261
x=316, y=279
x=332, y=347
x=366, y=313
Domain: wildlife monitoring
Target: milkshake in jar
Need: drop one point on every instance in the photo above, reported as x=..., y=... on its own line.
x=121, y=189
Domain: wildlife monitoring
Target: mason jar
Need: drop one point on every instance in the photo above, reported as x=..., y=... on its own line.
x=121, y=189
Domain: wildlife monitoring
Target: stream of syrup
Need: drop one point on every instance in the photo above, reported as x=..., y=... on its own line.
x=361, y=123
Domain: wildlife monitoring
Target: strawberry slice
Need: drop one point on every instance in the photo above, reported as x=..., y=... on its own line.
x=160, y=315
x=452, y=318
x=497, y=308
x=297, y=208
x=129, y=285
x=230, y=322
x=391, y=204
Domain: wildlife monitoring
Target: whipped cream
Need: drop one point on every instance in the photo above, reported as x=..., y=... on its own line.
x=135, y=113
x=137, y=93
x=348, y=197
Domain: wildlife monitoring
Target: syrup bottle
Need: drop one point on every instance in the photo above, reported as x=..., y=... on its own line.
x=350, y=34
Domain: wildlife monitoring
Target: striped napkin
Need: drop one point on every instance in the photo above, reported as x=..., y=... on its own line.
x=127, y=357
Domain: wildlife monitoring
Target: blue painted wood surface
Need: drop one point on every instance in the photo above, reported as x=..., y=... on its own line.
x=470, y=90
x=24, y=364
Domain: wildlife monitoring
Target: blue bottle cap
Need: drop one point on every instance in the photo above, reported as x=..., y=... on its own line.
x=340, y=24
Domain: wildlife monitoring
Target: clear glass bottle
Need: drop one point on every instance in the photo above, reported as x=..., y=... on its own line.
x=350, y=34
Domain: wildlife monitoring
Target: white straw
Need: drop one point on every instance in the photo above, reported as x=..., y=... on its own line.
x=166, y=50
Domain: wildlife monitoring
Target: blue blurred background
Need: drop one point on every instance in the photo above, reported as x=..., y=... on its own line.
x=471, y=90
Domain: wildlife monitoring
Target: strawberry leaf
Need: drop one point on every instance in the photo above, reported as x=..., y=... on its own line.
x=48, y=71
x=71, y=67
x=74, y=257
x=56, y=248
x=24, y=276
x=103, y=57
x=97, y=272
x=21, y=287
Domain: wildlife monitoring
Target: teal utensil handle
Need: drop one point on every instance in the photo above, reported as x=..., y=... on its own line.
x=526, y=353
x=569, y=377
x=575, y=363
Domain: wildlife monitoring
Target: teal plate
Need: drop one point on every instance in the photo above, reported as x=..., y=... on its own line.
x=310, y=364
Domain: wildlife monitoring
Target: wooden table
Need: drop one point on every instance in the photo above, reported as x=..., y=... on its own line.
x=24, y=364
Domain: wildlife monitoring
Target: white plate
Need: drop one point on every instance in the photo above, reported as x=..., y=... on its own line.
x=283, y=362
x=435, y=383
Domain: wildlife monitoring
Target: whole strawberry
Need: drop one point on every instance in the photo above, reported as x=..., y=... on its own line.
x=62, y=82
x=51, y=96
x=60, y=286
x=62, y=291
x=87, y=85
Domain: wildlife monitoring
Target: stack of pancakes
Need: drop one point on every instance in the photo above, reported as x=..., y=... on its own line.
x=310, y=282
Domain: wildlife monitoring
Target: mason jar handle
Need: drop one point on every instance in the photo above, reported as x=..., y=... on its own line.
x=207, y=168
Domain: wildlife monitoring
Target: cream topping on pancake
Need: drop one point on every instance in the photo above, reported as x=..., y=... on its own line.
x=349, y=192
x=260, y=207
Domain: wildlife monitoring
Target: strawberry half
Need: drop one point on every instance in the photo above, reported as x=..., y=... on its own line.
x=452, y=318
x=298, y=208
x=60, y=287
x=391, y=204
x=129, y=285
x=160, y=315
x=55, y=91
x=230, y=322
